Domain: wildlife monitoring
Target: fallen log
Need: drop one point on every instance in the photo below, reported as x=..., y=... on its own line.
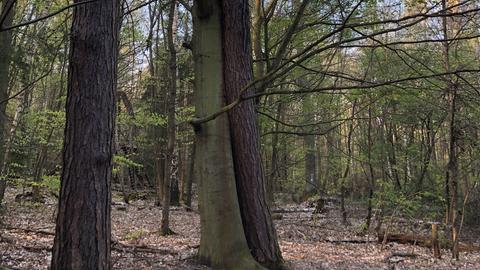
x=349, y=241
x=37, y=248
x=404, y=239
x=27, y=230
x=120, y=247
x=423, y=241
x=396, y=257
x=303, y=210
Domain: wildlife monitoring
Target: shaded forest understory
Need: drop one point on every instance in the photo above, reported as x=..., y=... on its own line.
x=307, y=240
x=348, y=128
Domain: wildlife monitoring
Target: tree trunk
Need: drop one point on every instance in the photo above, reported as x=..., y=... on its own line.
x=391, y=154
x=429, y=144
x=223, y=244
x=257, y=38
x=181, y=172
x=171, y=125
x=42, y=154
x=371, y=175
x=238, y=72
x=274, y=166
x=453, y=133
x=310, y=176
x=38, y=168
x=190, y=178
x=159, y=98
x=5, y=58
x=82, y=238
x=346, y=172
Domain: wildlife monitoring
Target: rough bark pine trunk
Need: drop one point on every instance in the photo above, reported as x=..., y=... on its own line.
x=237, y=73
x=82, y=238
x=5, y=58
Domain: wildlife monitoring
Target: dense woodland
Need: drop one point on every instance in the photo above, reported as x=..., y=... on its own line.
x=236, y=134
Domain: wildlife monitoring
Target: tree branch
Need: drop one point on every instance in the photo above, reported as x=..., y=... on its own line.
x=3, y=29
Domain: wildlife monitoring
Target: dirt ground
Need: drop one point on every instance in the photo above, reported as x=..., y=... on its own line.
x=307, y=241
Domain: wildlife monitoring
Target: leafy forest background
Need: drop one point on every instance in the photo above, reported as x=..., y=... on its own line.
x=374, y=103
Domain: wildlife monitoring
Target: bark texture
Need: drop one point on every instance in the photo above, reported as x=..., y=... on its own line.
x=223, y=244
x=82, y=239
x=238, y=72
x=5, y=59
x=190, y=179
x=309, y=141
x=171, y=125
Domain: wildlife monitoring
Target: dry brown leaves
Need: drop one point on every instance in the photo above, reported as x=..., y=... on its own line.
x=307, y=242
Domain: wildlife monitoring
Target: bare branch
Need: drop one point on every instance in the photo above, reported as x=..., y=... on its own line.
x=3, y=29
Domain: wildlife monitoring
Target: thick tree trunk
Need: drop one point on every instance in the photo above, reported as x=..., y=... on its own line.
x=238, y=72
x=5, y=58
x=223, y=244
x=82, y=238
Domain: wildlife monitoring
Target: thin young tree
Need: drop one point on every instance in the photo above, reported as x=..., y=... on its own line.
x=171, y=126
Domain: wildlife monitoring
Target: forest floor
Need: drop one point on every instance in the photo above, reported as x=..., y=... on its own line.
x=308, y=241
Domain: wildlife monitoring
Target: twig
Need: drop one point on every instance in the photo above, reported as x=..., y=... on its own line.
x=2, y=29
x=30, y=230
x=350, y=241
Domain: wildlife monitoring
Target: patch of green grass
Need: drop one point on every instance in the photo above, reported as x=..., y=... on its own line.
x=135, y=235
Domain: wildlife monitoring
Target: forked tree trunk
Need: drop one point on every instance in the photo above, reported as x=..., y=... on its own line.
x=82, y=238
x=222, y=244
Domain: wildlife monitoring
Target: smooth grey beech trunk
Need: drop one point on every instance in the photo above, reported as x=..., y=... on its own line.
x=223, y=244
